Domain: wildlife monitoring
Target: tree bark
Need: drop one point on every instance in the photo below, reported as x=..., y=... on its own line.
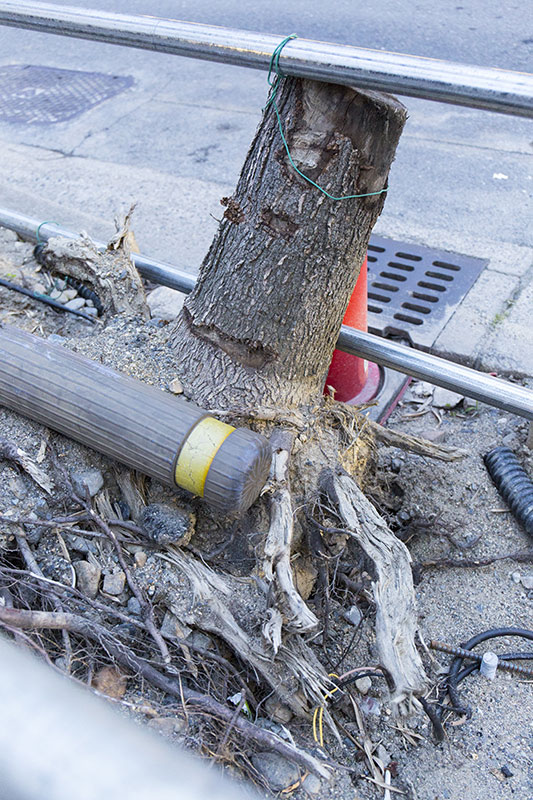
x=261, y=325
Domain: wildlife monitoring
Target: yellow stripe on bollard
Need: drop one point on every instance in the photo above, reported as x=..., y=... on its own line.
x=198, y=452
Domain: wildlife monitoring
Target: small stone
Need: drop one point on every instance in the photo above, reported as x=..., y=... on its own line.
x=90, y=478
x=444, y=398
x=169, y=626
x=68, y=294
x=140, y=558
x=506, y=772
x=93, y=312
x=114, y=582
x=396, y=464
x=527, y=580
x=201, y=640
x=277, y=771
x=134, y=607
x=88, y=577
x=363, y=685
x=55, y=294
x=277, y=711
x=76, y=304
x=516, y=577
x=39, y=288
x=79, y=544
x=166, y=525
x=165, y=303
x=403, y=516
x=311, y=784
x=510, y=441
x=175, y=386
x=55, y=338
x=353, y=616
x=168, y=726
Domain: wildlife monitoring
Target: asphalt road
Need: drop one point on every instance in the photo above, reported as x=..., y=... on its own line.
x=175, y=140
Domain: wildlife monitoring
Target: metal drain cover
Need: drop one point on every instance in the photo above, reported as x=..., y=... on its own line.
x=44, y=95
x=413, y=291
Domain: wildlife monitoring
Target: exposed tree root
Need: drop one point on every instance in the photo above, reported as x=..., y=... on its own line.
x=231, y=608
x=396, y=617
x=277, y=551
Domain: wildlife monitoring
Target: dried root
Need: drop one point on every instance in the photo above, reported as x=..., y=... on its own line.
x=396, y=616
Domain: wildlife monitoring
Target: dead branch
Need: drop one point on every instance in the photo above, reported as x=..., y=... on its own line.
x=415, y=444
x=146, y=606
x=37, y=620
x=12, y=452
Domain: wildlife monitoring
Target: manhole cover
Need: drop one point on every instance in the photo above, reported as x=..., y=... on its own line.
x=44, y=95
x=413, y=291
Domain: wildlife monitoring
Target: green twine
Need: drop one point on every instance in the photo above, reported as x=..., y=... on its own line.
x=274, y=79
x=48, y=222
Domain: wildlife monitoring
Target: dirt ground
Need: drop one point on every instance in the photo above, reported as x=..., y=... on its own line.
x=441, y=510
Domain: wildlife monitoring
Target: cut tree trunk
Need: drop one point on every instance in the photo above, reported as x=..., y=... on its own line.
x=261, y=325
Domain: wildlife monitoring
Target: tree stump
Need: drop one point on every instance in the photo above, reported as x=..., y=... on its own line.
x=261, y=324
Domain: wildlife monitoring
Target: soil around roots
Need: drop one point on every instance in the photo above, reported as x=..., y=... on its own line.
x=233, y=641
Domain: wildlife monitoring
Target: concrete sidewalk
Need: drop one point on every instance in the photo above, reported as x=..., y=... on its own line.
x=175, y=143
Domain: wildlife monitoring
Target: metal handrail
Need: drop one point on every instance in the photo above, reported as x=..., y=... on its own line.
x=424, y=366
x=504, y=91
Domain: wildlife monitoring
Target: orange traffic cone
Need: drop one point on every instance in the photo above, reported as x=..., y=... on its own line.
x=355, y=380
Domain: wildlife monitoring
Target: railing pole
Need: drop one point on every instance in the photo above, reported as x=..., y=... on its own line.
x=432, y=79
x=426, y=367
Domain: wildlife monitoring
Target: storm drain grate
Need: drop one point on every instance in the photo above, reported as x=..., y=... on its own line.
x=43, y=95
x=413, y=291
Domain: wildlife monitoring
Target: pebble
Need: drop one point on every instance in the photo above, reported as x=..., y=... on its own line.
x=444, y=398
x=312, y=785
x=168, y=626
x=175, y=386
x=396, y=464
x=168, y=726
x=363, y=685
x=79, y=544
x=140, y=558
x=134, y=607
x=55, y=294
x=199, y=639
x=353, y=616
x=90, y=478
x=114, y=582
x=39, y=288
x=164, y=303
x=93, y=312
x=88, y=577
x=76, y=304
x=516, y=577
x=55, y=338
x=527, y=580
x=67, y=295
x=277, y=771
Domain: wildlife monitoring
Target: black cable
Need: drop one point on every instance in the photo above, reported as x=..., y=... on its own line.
x=453, y=674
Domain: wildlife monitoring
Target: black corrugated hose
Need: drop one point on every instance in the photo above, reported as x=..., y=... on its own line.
x=513, y=483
